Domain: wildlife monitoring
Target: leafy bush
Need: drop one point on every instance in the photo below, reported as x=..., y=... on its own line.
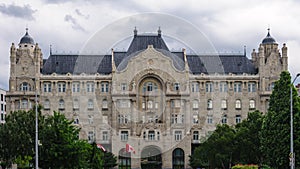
x=248, y=166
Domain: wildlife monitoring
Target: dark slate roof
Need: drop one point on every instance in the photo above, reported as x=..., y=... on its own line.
x=268, y=39
x=141, y=42
x=92, y=64
x=222, y=64
x=27, y=38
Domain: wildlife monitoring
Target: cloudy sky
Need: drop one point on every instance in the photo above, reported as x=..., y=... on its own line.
x=228, y=26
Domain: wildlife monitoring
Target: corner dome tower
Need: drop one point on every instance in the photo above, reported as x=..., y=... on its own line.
x=268, y=39
x=27, y=38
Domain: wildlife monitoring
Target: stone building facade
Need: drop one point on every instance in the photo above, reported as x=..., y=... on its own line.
x=3, y=106
x=161, y=103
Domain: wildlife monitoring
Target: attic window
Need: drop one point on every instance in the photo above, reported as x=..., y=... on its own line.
x=25, y=45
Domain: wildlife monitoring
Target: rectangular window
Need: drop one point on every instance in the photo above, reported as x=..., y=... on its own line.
x=223, y=87
x=209, y=104
x=105, y=136
x=209, y=119
x=151, y=135
x=104, y=104
x=90, y=87
x=196, y=135
x=252, y=87
x=124, y=135
x=104, y=87
x=237, y=87
x=238, y=119
x=123, y=86
x=224, y=119
x=178, y=135
x=76, y=87
x=195, y=119
x=176, y=86
x=195, y=87
x=91, y=136
x=2, y=97
x=47, y=87
x=209, y=87
x=195, y=104
x=61, y=87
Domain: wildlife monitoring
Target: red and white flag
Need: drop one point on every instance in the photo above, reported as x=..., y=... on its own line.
x=129, y=149
x=101, y=147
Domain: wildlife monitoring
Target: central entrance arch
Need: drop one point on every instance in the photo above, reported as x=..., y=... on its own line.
x=151, y=158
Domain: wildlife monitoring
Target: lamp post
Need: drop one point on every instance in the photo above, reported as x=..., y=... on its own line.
x=292, y=155
x=36, y=129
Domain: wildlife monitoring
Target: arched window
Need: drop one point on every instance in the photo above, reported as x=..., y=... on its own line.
x=90, y=104
x=252, y=104
x=124, y=159
x=238, y=104
x=25, y=87
x=76, y=104
x=224, y=104
x=61, y=104
x=47, y=104
x=178, y=158
x=209, y=104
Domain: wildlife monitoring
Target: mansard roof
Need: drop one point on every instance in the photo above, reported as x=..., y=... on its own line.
x=92, y=64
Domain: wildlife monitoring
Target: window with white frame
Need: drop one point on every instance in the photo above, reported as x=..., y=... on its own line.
x=195, y=87
x=238, y=104
x=151, y=135
x=238, y=87
x=123, y=118
x=195, y=135
x=105, y=136
x=91, y=136
x=124, y=135
x=195, y=104
x=209, y=104
x=47, y=87
x=209, y=86
x=24, y=104
x=251, y=104
x=224, y=104
x=158, y=135
x=238, y=118
x=104, y=87
x=75, y=87
x=178, y=135
x=75, y=104
x=251, y=87
x=104, y=104
x=150, y=104
x=224, y=119
x=223, y=87
x=149, y=87
x=176, y=86
x=177, y=118
x=47, y=104
x=209, y=119
x=195, y=119
x=61, y=87
x=25, y=87
x=61, y=104
x=90, y=87
x=90, y=119
x=90, y=104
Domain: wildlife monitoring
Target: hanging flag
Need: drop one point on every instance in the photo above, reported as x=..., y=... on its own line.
x=129, y=149
x=101, y=147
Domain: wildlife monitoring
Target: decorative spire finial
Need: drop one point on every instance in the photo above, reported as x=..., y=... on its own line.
x=135, y=31
x=159, y=31
x=269, y=31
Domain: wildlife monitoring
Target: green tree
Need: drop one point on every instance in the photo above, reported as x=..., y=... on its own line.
x=248, y=140
x=17, y=136
x=109, y=160
x=275, y=134
x=61, y=147
x=217, y=151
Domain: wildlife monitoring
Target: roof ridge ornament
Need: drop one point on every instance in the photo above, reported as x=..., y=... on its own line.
x=135, y=32
x=159, y=32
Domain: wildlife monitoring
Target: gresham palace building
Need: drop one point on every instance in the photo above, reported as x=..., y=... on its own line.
x=161, y=103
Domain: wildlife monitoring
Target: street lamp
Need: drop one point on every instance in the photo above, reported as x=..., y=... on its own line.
x=36, y=128
x=292, y=155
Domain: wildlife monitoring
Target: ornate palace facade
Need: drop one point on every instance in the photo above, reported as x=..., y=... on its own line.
x=162, y=103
